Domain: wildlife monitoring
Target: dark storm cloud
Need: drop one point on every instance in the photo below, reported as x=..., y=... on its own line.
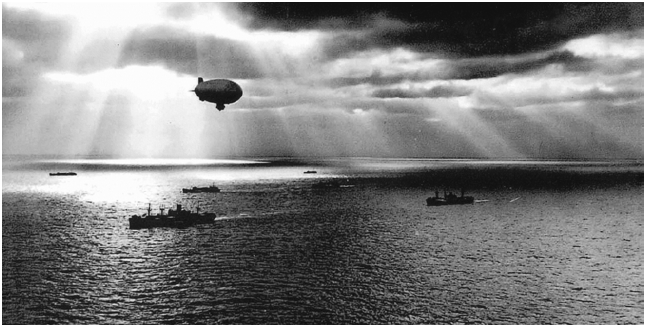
x=468, y=69
x=461, y=29
x=379, y=79
x=440, y=91
x=190, y=54
x=479, y=68
x=30, y=42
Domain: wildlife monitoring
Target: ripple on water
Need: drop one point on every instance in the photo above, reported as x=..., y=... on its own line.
x=366, y=255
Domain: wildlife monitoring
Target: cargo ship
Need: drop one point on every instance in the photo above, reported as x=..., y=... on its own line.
x=449, y=199
x=201, y=189
x=177, y=218
x=62, y=174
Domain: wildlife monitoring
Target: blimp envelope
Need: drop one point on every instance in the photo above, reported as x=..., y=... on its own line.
x=219, y=91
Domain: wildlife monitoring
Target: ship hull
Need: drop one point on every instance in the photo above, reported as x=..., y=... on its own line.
x=434, y=201
x=199, y=190
x=184, y=221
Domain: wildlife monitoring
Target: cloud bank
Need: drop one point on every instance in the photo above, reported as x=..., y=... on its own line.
x=542, y=80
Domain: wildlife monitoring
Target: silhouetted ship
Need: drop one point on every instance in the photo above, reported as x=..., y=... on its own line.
x=201, y=189
x=178, y=218
x=62, y=173
x=309, y=172
x=449, y=199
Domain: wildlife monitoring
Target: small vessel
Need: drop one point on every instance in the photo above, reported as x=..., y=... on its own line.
x=211, y=188
x=177, y=218
x=449, y=199
x=309, y=172
x=62, y=173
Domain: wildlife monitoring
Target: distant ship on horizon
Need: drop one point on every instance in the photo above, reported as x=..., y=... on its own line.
x=211, y=188
x=62, y=174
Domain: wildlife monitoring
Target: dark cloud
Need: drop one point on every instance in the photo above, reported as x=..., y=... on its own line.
x=190, y=54
x=298, y=16
x=440, y=91
x=227, y=58
x=30, y=43
x=480, y=68
x=468, y=69
x=41, y=38
x=465, y=29
x=174, y=49
x=627, y=94
x=378, y=78
x=614, y=66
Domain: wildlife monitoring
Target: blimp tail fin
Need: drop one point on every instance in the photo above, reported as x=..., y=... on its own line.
x=200, y=80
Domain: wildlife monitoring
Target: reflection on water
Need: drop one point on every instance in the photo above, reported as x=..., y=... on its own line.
x=153, y=162
x=282, y=253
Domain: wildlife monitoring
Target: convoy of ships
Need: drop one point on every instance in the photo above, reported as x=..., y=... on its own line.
x=179, y=218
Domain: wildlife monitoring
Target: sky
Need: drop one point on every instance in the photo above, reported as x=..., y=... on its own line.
x=422, y=80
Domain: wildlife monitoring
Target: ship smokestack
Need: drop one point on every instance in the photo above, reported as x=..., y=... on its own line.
x=179, y=208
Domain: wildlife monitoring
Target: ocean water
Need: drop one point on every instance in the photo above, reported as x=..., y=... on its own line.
x=546, y=242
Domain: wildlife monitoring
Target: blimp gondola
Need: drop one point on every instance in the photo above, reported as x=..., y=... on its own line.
x=219, y=91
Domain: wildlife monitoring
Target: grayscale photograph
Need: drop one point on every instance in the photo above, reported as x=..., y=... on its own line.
x=259, y=163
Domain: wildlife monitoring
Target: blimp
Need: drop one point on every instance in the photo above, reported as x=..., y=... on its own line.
x=219, y=91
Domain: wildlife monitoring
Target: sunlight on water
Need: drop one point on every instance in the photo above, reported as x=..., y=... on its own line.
x=235, y=174
x=154, y=161
x=110, y=187
x=121, y=187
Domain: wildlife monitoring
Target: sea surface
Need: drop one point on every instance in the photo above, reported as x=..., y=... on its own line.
x=547, y=242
